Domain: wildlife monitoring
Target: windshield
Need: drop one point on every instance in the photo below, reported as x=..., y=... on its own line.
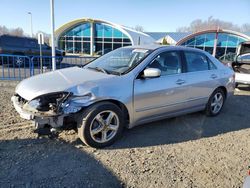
x=118, y=61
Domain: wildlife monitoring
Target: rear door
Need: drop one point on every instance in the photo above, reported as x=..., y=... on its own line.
x=202, y=78
x=156, y=97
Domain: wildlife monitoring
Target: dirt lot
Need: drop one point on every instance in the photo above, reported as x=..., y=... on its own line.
x=188, y=151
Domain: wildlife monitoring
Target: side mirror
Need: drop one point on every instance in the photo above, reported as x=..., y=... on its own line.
x=243, y=58
x=151, y=73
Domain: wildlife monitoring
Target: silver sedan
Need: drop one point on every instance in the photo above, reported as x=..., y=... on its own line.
x=124, y=88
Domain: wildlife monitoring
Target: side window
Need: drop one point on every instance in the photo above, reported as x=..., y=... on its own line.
x=167, y=62
x=196, y=62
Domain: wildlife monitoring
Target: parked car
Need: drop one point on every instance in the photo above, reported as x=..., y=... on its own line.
x=241, y=65
x=24, y=46
x=124, y=88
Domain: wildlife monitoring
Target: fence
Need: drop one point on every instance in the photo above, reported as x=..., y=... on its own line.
x=17, y=67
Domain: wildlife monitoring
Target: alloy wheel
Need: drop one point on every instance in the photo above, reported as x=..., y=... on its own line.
x=104, y=126
x=217, y=103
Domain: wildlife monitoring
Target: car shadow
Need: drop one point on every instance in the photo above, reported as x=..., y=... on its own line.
x=233, y=117
x=50, y=163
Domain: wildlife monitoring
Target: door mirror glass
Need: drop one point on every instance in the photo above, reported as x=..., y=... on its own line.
x=151, y=73
x=243, y=58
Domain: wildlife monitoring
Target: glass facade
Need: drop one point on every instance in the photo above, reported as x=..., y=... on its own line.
x=77, y=40
x=226, y=44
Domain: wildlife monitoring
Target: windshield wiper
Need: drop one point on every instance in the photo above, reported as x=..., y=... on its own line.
x=99, y=69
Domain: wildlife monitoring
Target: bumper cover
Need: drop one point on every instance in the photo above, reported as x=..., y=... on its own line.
x=54, y=121
x=23, y=114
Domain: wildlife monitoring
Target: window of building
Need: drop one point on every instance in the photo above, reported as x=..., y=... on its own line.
x=226, y=44
x=108, y=38
x=76, y=40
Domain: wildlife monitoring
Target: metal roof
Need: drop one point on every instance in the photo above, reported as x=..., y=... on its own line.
x=157, y=35
x=178, y=35
x=174, y=35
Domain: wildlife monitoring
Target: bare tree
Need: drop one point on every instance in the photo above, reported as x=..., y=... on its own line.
x=17, y=32
x=139, y=28
x=245, y=27
x=212, y=23
x=3, y=30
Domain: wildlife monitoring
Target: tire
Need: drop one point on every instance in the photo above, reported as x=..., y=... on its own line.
x=94, y=128
x=215, y=103
x=19, y=61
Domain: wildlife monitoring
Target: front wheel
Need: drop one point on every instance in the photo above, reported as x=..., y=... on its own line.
x=101, y=124
x=215, y=103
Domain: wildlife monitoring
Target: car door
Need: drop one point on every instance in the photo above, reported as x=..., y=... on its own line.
x=157, y=97
x=202, y=78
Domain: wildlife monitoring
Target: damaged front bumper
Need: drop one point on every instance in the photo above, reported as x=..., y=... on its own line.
x=19, y=108
x=40, y=118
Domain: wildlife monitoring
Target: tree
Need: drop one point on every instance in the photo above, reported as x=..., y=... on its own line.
x=212, y=23
x=15, y=32
x=139, y=28
x=164, y=41
x=245, y=27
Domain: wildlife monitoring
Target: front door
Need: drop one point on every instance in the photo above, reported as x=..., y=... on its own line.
x=157, y=97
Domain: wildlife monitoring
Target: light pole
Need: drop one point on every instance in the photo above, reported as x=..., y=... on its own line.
x=31, y=24
x=52, y=34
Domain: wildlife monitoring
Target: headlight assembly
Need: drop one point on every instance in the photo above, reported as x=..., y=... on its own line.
x=50, y=101
x=35, y=103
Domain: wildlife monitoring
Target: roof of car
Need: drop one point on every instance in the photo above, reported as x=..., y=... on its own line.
x=155, y=46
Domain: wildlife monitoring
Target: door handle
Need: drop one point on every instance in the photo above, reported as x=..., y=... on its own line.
x=180, y=82
x=213, y=76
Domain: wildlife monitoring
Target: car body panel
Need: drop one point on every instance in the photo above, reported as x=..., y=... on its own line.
x=63, y=79
x=157, y=96
x=200, y=85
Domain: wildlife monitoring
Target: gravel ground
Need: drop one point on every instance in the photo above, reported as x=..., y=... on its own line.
x=188, y=151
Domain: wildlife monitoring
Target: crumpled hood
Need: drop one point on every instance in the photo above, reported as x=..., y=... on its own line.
x=57, y=81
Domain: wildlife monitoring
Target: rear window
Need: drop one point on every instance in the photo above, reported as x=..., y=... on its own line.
x=196, y=62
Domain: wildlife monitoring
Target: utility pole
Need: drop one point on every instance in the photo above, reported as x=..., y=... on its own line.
x=216, y=41
x=31, y=24
x=52, y=34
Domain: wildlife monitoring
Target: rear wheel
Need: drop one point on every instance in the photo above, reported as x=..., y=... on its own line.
x=215, y=103
x=101, y=124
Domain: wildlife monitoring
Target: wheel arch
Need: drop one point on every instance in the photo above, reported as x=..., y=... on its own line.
x=121, y=105
x=224, y=89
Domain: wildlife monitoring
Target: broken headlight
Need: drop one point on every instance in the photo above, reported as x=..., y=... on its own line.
x=49, y=102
